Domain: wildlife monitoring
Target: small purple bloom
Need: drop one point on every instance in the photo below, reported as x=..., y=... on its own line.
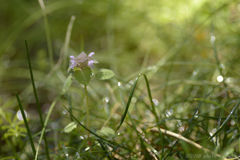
x=73, y=62
x=91, y=54
x=90, y=63
x=82, y=61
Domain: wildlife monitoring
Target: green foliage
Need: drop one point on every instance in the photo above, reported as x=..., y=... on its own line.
x=187, y=50
x=103, y=74
x=83, y=76
x=106, y=132
x=71, y=126
x=13, y=129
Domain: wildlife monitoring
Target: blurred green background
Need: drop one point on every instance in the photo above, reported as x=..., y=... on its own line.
x=174, y=42
x=126, y=36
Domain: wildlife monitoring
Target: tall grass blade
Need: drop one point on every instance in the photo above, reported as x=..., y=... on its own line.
x=226, y=120
x=130, y=98
x=36, y=97
x=67, y=41
x=45, y=123
x=48, y=35
x=26, y=124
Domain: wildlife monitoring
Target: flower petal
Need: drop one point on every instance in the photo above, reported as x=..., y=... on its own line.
x=72, y=57
x=91, y=54
x=90, y=63
x=73, y=64
x=81, y=58
x=82, y=55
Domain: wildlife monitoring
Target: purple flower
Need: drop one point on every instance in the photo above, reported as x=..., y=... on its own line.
x=82, y=61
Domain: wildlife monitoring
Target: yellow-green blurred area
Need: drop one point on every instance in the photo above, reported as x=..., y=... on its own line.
x=126, y=35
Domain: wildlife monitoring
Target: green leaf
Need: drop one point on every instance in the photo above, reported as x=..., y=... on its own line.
x=67, y=83
x=83, y=76
x=71, y=126
x=103, y=74
x=106, y=131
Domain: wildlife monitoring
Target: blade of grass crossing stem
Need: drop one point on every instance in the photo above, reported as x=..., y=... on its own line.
x=111, y=142
x=218, y=125
x=234, y=117
x=226, y=120
x=130, y=98
x=84, y=126
x=150, y=97
x=143, y=146
x=113, y=148
x=104, y=149
x=128, y=103
x=36, y=97
x=144, y=150
x=46, y=121
x=26, y=124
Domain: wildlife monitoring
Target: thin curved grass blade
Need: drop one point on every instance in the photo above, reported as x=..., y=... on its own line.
x=130, y=98
x=226, y=120
x=26, y=124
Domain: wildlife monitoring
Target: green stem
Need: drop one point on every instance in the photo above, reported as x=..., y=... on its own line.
x=86, y=93
x=38, y=104
x=26, y=124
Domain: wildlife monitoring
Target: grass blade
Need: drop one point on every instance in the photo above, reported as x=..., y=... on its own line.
x=110, y=142
x=144, y=150
x=67, y=41
x=36, y=97
x=26, y=124
x=46, y=121
x=226, y=120
x=191, y=120
x=130, y=98
x=212, y=102
x=48, y=35
x=105, y=150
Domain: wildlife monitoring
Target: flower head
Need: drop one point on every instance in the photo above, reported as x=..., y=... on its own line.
x=82, y=61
